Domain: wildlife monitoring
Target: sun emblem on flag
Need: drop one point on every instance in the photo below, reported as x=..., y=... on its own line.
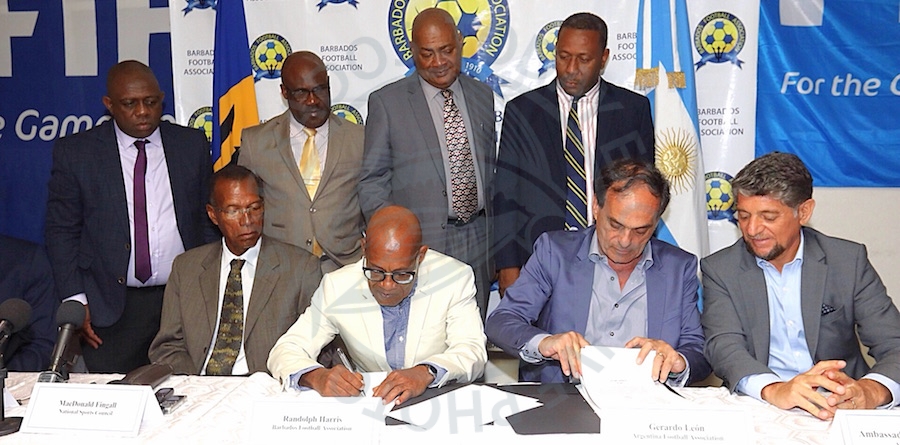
x=676, y=153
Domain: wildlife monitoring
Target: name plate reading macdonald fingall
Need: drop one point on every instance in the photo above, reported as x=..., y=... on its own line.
x=65, y=408
x=356, y=420
x=676, y=426
x=867, y=427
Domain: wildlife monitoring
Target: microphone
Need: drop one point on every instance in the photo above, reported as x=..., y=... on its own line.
x=15, y=314
x=69, y=318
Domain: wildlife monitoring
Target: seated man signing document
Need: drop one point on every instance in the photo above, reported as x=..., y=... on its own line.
x=402, y=308
x=607, y=285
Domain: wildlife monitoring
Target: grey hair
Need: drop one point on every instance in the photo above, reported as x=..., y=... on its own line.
x=781, y=176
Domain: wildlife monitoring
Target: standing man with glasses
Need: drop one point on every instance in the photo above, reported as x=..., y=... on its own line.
x=309, y=162
x=228, y=302
x=125, y=198
x=403, y=308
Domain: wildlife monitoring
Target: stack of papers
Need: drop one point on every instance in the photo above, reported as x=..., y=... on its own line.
x=612, y=378
x=463, y=410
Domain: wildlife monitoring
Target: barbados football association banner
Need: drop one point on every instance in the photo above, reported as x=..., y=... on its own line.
x=829, y=88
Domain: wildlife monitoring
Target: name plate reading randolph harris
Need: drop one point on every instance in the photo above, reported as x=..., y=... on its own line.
x=356, y=420
x=675, y=426
x=867, y=427
x=64, y=408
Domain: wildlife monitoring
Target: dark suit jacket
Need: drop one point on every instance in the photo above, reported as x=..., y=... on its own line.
x=402, y=162
x=87, y=232
x=286, y=277
x=333, y=217
x=553, y=296
x=530, y=186
x=25, y=273
x=836, y=273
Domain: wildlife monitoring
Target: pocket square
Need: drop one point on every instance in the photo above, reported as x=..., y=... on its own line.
x=827, y=309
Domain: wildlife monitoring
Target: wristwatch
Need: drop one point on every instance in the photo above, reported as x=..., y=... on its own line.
x=431, y=370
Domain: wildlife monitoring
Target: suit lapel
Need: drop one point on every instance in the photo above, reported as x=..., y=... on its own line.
x=656, y=282
x=109, y=162
x=179, y=178
x=373, y=323
x=755, y=300
x=812, y=290
x=282, y=138
x=582, y=274
x=419, y=106
x=263, y=284
x=552, y=136
x=335, y=141
x=418, y=312
x=209, y=291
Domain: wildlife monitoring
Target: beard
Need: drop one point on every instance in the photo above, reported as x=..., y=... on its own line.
x=774, y=252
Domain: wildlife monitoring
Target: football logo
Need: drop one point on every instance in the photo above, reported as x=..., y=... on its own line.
x=719, y=196
x=198, y=4
x=545, y=45
x=267, y=54
x=719, y=37
x=347, y=112
x=202, y=119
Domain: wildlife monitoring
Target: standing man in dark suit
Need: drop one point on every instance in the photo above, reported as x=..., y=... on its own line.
x=786, y=307
x=430, y=147
x=608, y=285
x=201, y=307
x=125, y=198
x=555, y=138
x=309, y=162
x=25, y=273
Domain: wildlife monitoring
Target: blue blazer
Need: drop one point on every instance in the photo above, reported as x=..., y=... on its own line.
x=553, y=295
x=87, y=232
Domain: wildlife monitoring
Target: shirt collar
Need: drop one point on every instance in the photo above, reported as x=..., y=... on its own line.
x=297, y=128
x=596, y=256
x=798, y=258
x=250, y=256
x=590, y=95
x=432, y=91
x=125, y=141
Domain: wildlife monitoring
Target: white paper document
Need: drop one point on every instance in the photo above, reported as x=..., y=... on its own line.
x=612, y=376
x=466, y=409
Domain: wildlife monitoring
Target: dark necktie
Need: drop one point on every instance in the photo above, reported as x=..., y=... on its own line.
x=142, y=269
x=231, y=325
x=576, y=180
x=463, y=188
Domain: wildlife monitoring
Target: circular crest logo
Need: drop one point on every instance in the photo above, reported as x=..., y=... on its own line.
x=203, y=120
x=545, y=45
x=267, y=54
x=676, y=155
x=347, y=112
x=719, y=196
x=325, y=3
x=719, y=37
x=484, y=26
x=198, y=4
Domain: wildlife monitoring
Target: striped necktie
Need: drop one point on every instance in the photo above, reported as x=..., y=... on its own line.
x=576, y=180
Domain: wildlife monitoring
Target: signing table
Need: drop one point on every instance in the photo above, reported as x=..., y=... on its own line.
x=218, y=411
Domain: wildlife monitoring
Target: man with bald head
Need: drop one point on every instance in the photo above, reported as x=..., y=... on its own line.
x=403, y=308
x=430, y=147
x=309, y=162
x=125, y=198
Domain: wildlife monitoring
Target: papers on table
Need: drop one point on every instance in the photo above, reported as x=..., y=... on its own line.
x=466, y=409
x=612, y=376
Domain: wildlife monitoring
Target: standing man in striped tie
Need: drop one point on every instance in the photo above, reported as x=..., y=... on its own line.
x=555, y=139
x=430, y=147
x=125, y=198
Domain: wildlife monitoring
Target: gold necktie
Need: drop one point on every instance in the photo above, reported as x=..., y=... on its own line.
x=311, y=173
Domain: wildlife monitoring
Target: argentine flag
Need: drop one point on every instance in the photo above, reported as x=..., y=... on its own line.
x=665, y=73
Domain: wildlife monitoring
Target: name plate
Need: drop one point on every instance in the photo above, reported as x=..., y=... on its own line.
x=355, y=420
x=65, y=408
x=869, y=427
x=675, y=426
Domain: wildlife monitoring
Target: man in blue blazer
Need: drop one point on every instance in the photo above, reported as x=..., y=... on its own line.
x=91, y=216
x=608, y=285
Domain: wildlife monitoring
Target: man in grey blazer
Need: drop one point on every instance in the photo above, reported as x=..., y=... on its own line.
x=276, y=281
x=786, y=306
x=316, y=210
x=408, y=160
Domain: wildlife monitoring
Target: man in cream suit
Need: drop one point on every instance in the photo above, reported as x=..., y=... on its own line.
x=309, y=162
x=275, y=281
x=403, y=308
x=786, y=306
x=430, y=147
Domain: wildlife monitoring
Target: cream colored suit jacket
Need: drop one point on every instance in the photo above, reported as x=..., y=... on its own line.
x=444, y=323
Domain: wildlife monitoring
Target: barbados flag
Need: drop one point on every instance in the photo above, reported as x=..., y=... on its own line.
x=665, y=72
x=234, y=96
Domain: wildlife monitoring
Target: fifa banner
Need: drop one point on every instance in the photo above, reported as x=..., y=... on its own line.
x=508, y=45
x=53, y=62
x=833, y=99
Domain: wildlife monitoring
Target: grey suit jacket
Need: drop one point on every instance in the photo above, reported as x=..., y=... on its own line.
x=333, y=218
x=840, y=292
x=286, y=277
x=402, y=163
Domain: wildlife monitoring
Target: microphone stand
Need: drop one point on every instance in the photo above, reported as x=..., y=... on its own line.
x=8, y=425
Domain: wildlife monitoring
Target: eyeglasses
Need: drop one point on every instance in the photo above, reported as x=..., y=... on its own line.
x=301, y=94
x=399, y=276
x=254, y=211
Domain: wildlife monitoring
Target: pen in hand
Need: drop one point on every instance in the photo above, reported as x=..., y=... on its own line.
x=346, y=362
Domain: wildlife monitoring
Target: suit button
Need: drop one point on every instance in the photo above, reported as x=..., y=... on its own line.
x=444, y=192
x=443, y=225
x=127, y=246
x=120, y=280
x=312, y=210
x=309, y=242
